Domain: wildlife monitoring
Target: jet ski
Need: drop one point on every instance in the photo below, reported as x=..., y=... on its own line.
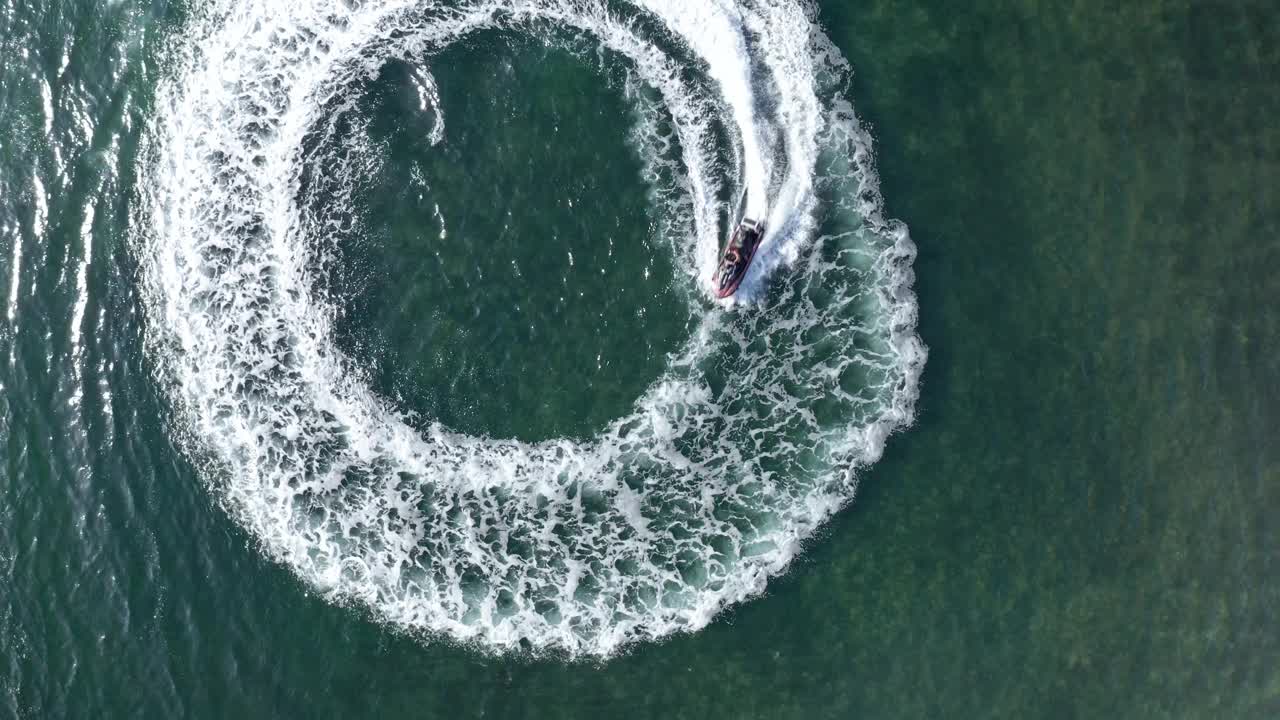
x=737, y=257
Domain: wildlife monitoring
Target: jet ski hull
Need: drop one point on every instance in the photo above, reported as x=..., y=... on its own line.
x=737, y=257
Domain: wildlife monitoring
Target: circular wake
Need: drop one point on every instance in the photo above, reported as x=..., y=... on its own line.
x=749, y=440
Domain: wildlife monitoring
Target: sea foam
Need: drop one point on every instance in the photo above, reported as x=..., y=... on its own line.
x=751, y=438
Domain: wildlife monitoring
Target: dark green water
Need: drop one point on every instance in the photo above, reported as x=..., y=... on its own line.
x=513, y=170
x=1081, y=524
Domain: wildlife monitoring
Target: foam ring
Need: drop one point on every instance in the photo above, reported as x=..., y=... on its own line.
x=747, y=443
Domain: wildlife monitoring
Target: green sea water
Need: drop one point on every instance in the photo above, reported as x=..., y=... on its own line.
x=1081, y=523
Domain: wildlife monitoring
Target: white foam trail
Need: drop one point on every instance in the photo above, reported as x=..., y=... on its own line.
x=801, y=119
x=39, y=225
x=82, y=277
x=424, y=83
x=714, y=31
x=15, y=276
x=689, y=503
x=46, y=102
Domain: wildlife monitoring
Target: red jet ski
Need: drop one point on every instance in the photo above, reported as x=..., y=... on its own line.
x=737, y=257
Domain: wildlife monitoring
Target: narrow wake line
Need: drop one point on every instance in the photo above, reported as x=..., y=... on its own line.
x=725, y=465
